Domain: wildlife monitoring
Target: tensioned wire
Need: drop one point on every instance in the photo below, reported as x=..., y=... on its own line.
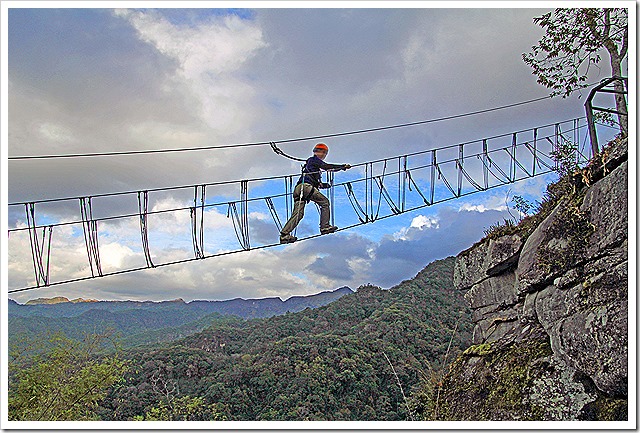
x=263, y=143
x=224, y=203
x=260, y=179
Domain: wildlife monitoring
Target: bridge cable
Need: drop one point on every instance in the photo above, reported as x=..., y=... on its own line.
x=291, y=140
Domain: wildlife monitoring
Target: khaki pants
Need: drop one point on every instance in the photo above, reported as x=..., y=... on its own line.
x=310, y=193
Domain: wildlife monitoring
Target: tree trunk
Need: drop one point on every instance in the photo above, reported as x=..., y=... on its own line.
x=621, y=102
x=615, y=58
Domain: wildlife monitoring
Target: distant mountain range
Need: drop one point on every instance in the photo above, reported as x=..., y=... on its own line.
x=142, y=322
x=245, y=308
x=57, y=300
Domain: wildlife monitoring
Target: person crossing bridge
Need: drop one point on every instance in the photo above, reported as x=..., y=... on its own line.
x=308, y=189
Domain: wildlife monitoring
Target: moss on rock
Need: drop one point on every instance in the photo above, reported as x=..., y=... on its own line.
x=608, y=409
x=488, y=382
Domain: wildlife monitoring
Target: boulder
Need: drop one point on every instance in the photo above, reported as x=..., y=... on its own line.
x=533, y=274
x=610, y=222
x=558, y=392
x=485, y=260
x=551, y=312
x=503, y=254
x=587, y=325
x=469, y=268
x=500, y=290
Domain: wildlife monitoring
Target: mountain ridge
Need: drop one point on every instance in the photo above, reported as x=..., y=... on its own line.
x=62, y=299
x=63, y=307
x=144, y=322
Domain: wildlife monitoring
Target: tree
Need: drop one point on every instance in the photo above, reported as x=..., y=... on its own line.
x=572, y=44
x=185, y=408
x=65, y=382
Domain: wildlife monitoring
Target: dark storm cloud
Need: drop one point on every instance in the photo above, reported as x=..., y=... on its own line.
x=264, y=232
x=352, y=48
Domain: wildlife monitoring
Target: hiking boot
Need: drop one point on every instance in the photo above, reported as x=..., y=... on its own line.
x=287, y=239
x=328, y=230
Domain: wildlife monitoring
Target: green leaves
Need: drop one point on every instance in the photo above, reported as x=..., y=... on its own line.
x=185, y=408
x=65, y=382
x=574, y=37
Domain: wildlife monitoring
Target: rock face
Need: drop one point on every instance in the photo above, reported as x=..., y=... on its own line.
x=550, y=311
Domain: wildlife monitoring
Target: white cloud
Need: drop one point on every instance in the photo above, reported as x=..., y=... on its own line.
x=174, y=222
x=473, y=207
x=418, y=223
x=113, y=255
x=150, y=83
x=421, y=222
x=208, y=55
x=56, y=132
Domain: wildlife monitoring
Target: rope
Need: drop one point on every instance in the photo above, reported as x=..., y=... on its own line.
x=90, y=230
x=444, y=179
x=37, y=248
x=468, y=177
x=381, y=186
x=143, y=207
x=241, y=219
x=483, y=156
x=411, y=181
x=491, y=164
x=355, y=204
x=516, y=162
x=259, y=179
x=279, y=151
x=535, y=152
x=228, y=146
x=224, y=253
x=274, y=213
x=197, y=236
x=387, y=197
x=330, y=179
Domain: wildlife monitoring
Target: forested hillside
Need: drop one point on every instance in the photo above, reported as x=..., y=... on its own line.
x=335, y=362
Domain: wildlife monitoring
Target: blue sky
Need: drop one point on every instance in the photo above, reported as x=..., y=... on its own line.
x=99, y=80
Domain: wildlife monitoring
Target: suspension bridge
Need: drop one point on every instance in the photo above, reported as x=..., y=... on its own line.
x=371, y=191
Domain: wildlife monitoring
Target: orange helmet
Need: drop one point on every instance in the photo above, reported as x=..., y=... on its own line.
x=321, y=146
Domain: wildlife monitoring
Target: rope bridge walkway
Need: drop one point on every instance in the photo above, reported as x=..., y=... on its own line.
x=372, y=191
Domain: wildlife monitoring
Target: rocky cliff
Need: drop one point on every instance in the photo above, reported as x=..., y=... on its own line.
x=549, y=301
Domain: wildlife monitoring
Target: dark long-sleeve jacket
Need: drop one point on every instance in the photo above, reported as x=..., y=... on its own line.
x=311, y=171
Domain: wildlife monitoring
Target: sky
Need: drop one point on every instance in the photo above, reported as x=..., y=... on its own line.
x=88, y=80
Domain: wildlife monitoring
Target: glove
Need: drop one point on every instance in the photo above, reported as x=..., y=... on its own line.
x=325, y=185
x=346, y=166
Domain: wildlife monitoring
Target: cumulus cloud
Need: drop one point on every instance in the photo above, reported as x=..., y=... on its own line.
x=96, y=80
x=207, y=54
